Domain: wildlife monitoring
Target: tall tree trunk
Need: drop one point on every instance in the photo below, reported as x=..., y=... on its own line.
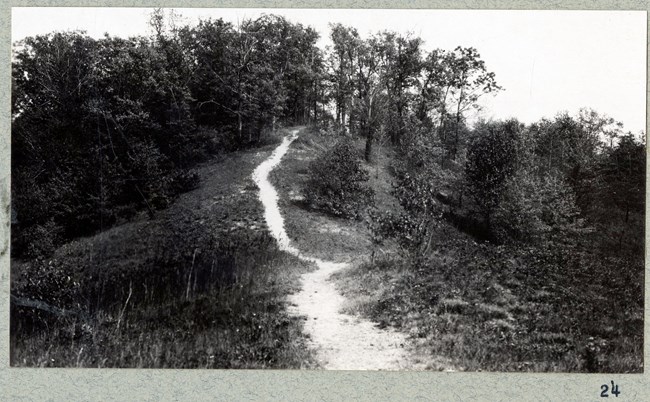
x=305, y=110
x=442, y=132
x=454, y=149
x=338, y=110
x=315, y=102
x=239, y=125
x=369, y=140
x=397, y=134
x=369, y=134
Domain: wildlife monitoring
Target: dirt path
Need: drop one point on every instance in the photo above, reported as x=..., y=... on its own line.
x=342, y=341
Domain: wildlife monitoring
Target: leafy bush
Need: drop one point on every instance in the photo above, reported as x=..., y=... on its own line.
x=419, y=180
x=538, y=210
x=411, y=234
x=415, y=190
x=337, y=182
x=38, y=240
x=519, y=200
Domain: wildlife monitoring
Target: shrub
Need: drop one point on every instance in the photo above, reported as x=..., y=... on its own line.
x=386, y=225
x=538, y=208
x=38, y=240
x=337, y=183
x=418, y=180
x=186, y=180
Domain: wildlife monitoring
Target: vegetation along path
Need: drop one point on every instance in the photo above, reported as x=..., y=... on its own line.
x=342, y=341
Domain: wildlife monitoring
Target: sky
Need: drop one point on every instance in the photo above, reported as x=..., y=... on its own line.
x=547, y=61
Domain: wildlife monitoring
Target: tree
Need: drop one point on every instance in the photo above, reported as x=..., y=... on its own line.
x=342, y=67
x=564, y=144
x=468, y=81
x=100, y=130
x=599, y=126
x=370, y=79
x=209, y=47
x=252, y=76
x=432, y=88
x=449, y=84
x=620, y=193
x=54, y=76
x=291, y=63
x=538, y=209
x=570, y=148
x=402, y=56
x=491, y=161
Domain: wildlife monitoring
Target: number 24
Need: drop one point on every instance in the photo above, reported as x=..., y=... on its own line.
x=605, y=388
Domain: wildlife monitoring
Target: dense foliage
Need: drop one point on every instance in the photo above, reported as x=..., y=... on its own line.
x=104, y=128
x=337, y=182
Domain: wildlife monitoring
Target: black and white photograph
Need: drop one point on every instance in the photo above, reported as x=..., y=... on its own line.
x=328, y=189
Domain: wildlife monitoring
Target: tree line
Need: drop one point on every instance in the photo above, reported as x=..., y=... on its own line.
x=104, y=128
x=563, y=193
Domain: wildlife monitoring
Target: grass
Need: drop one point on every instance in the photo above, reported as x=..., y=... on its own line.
x=202, y=285
x=475, y=306
x=465, y=309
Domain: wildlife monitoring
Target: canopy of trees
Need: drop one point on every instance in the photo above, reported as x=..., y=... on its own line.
x=388, y=83
x=104, y=128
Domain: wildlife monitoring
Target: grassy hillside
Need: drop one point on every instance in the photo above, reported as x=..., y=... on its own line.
x=471, y=305
x=474, y=308
x=201, y=285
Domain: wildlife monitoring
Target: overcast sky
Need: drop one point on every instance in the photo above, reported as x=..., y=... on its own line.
x=547, y=61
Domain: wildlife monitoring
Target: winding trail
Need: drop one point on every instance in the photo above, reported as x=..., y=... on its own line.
x=341, y=341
